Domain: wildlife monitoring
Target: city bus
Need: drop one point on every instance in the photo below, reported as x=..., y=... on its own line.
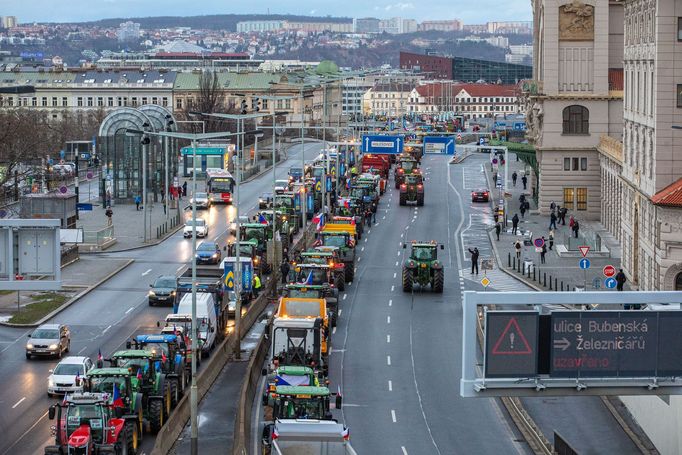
x=219, y=186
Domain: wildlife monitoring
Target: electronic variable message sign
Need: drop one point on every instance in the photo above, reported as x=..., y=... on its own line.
x=511, y=344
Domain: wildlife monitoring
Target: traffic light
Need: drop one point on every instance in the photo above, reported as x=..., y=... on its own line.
x=243, y=107
x=256, y=104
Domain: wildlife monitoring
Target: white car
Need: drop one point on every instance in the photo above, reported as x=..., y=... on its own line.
x=201, y=200
x=202, y=228
x=281, y=186
x=243, y=219
x=62, y=379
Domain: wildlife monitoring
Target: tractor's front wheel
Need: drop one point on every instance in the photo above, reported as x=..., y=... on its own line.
x=156, y=415
x=133, y=437
x=174, y=392
x=438, y=280
x=122, y=446
x=407, y=280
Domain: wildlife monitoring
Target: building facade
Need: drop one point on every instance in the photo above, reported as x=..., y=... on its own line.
x=259, y=26
x=389, y=99
x=8, y=21
x=128, y=31
x=366, y=25
x=453, y=25
x=336, y=27
x=572, y=101
x=473, y=101
x=431, y=66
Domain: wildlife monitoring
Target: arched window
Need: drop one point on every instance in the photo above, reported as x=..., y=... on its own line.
x=678, y=282
x=576, y=120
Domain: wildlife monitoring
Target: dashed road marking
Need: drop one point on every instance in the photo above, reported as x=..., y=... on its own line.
x=388, y=360
x=395, y=274
x=390, y=302
x=392, y=288
x=130, y=309
x=393, y=415
x=147, y=272
x=340, y=311
x=81, y=351
x=390, y=386
x=18, y=403
x=388, y=319
x=105, y=330
x=334, y=330
x=362, y=249
x=344, y=296
x=404, y=450
x=396, y=263
x=388, y=338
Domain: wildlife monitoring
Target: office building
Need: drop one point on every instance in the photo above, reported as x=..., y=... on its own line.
x=128, y=31
x=389, y=99
x=453, y=25
x=259, y=26
x=366, y=25
x=8, y=21
x=473, y=101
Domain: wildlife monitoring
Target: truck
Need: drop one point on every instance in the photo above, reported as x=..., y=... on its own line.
x=378, y=162
x=305, y=308
x=342, y=236
x=316, y=291
x=306, y=436
x=207, y=322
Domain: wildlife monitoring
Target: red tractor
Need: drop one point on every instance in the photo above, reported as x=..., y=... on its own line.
x=87, y=424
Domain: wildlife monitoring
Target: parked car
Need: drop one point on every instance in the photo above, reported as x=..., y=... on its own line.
x=50, y=340
x=482, y=195
x=68, y=375
x=202, y=228
x=162, y=290
x=208, y=253
x=201, y=200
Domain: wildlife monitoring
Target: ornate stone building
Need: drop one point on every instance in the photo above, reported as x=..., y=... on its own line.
x=573, y=100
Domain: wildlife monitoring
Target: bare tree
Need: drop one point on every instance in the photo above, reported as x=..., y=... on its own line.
x=212, y=98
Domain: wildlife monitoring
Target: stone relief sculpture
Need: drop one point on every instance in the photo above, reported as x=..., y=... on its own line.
x=576, y=22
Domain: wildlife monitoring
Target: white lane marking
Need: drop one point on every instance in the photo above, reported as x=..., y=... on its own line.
x=362, y=249
x=402, y=235
x=81, y=351
x=392, y=288
x=395, y=274
x=406, y=227
x=147, y=272
x=390, y=386
x=105, y=330
x=340, y=311
x=388, y=338
x=388, y=319
x=256, y=420
x=369, y=232
x=180, y=268
x=393, y=415
x=334, y=330
x=359, y=259
x=390, y=302
x=404, y=450
x=396, y=263
x=398, y=253
x=130, y=309
x=18, y=403
x=384, y=218
x=366, y=238
x=388, y=360
x=344, y=296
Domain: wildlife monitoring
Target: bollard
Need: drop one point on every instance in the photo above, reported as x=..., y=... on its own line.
x=529, y=271
x=509, y=259
x=514, y=264
x=562, y=286
x=533, y=273
x=550, y=282
x=545, y=279
x=555, y=282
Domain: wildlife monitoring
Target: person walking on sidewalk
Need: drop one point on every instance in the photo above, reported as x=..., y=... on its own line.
x=522, y=209
x=284, y=270
x=184, y=188
x=620, y=280
x=552, y=220
x=543, y=251
x=517, y=247
x=138, y=200
x=524, y=180
x=109, y=213
x=474, y=259
x=498, y=228
x=562, y=214
x=571, y=222
x=576, y=228
x=551, y=239
x=552, y=206
x=514, y=177
x=515, y=223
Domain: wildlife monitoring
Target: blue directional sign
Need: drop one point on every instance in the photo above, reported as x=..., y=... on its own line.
x=584, y=263
x=610, y=283
x=444, y=145
x=390, y=145
x=481, y=141
x=87, y=207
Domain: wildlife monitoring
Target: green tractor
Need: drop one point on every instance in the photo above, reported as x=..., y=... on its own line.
x=302, y=402
x=412, y=190
x=287, y=230
x=286, y=203
x=249, y=248
x=258, y=232
x=405, y=165
x=115, y=385
x=148, y=379
x=423, y=267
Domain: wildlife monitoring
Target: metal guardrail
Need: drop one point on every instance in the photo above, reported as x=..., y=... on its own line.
x=99, y=237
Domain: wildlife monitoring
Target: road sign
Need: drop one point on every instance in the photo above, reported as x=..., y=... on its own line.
x=459, y=137
x=391, y=145
x=584, y=250
x=609, y=271
x=63, y=189
x=444, y=145
x=89, y=175
x=481, y=141
x=485, y=282
x=584, y=263
x=494, y=161
x=84, y=206
x=511, y=344
x=610, y=283
x=538, y=249
x=539, y=242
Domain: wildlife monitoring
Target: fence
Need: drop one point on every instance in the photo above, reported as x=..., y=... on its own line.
x=167, y=226
x=530, y=272
x=99, y=237
x=591, y=239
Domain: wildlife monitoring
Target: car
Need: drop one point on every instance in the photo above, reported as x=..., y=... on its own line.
x=265, y=201
x=62, y=170
x=49, y=340
x=63, y=379
x=202, y=228
x=243, y=219
x=162, y=290
x=281, y=186
x=208, y=253
x=482, y=195
x=201, y=200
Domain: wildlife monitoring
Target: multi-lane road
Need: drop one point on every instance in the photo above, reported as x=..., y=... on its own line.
x=105, y=318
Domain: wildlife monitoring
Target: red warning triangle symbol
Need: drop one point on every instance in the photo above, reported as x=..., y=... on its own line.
x=512, y=341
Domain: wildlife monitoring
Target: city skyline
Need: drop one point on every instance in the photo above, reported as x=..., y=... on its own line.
x=82, y=11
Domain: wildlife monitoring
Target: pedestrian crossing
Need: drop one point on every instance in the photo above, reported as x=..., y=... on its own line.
x=499, y=280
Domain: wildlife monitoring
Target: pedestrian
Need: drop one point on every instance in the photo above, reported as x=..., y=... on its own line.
x=522, y=209
x=368, y=217
x=256, y=285
x=551, y=239
x=524, y=180
x=494, y=178
x=184, y=188
x=522, y=198
x=107, y=202
x=552, y=206
x=552, y=220
x=498, y=228
x=374, y=217
x=576, y=228
x=517, y=247
x=474, y=259
x=138, y=200
x=515, y=223
x=109, y=213
x=164, y=206
x=514, y=177
x=564, y=211
x=284, y=270
x=620, y=280
x=543, y=251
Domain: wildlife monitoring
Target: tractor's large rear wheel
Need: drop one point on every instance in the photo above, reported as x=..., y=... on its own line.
x=174, y=391
x=438, y=280
x=403, y=198
x=349, y=272
x=156, y=415
x=420, y=199
x=339, y=281
x=133, y=437
x=407, y=280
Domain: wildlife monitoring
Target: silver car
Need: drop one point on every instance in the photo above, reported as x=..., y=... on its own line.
x=201, y=200
x=49, y=340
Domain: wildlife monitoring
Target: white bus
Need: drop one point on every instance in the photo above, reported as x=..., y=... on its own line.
x=219, y=186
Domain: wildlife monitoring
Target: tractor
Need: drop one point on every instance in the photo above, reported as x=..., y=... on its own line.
x=286, y=203
x=87, y=424
x=249, y=248
x=341, y=236
x=316, y=291
x=423, y=267
x=412, y=190
x=288, y=375
x=328, y=256
x=148, y=379
x=302, y=402
x=166, y=349
x=406, y=165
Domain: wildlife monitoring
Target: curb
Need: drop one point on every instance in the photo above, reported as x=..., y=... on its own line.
x=133, y=248
x=73, y=300
x=504, y=269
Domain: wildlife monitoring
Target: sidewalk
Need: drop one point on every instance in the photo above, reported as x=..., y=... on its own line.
x=561, y=269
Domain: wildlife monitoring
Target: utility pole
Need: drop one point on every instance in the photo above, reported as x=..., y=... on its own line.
x=238, y=266
x=303, y=205
x=194, y=422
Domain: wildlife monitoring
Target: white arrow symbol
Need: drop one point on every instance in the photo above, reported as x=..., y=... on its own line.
x=366, y=144
x=562, y=344
x=398, y=142
x=447, y=146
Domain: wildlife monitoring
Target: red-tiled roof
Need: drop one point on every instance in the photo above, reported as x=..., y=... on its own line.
x=616, y=79
x=670, y=196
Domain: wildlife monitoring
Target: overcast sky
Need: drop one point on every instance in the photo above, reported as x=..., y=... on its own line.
x=470, y=12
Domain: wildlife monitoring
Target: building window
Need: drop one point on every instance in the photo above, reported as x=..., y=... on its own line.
x=65, y=101
x=164, y=101
x=110, y=101
x=567, y=164
x=679, y=95
x=79, y=102
x=569, y=194
x=178, y=103
x=287, y=104
x=43, y=101
x=265, y=104
x=90, y=101
x=582, y=198
x=100, y=101
x=576, y=120
x=54, y=101
x=583, y=164
x=155, y=100
x=134, y=101
x=144, y=100
x=10, y=102
x=679, y=29
x=34, y=101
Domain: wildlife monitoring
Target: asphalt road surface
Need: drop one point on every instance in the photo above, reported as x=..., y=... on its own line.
x=105, y=318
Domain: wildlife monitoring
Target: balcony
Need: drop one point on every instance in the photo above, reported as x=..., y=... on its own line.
x=611, y=147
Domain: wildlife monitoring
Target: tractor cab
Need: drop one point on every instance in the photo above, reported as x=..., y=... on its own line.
x=288, y=376
x=140, y=364
x=406, y=165
x=303, y=402
x=258, y=232
x=113, y=382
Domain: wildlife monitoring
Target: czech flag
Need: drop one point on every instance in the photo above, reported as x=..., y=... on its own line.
x=163, y=357
x=117, y=400
x=319, y=220
x=99, y=355
x=309, y=279
x=139, y=374
x=261, y=219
